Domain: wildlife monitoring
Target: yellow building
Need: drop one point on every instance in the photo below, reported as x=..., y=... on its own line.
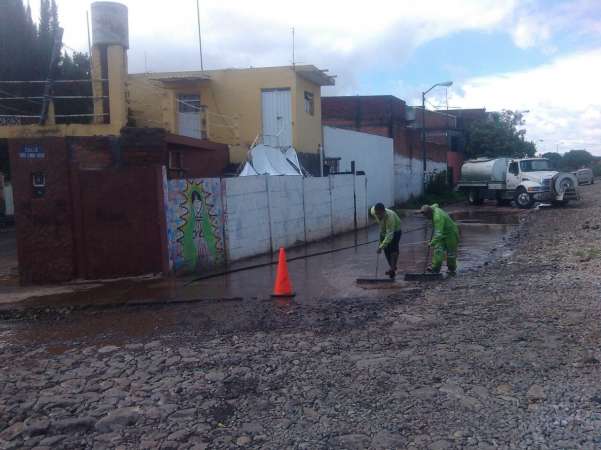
x=279, y=106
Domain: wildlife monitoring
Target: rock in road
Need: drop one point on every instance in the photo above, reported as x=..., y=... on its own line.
x=504, y=357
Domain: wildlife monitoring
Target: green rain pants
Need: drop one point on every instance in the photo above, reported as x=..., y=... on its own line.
x=447, y=248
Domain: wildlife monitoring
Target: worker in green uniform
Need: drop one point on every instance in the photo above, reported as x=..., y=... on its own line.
x=390, y=235
x=445, y=239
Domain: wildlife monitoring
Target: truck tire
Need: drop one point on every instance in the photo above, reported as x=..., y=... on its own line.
x=473, y=197
x=523, y=199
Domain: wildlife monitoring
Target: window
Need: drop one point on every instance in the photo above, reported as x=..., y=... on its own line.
x=331, y=165
x=309, y=103
x=513, y=168
x=535, y=165
x=176, y=160
x=188, y=104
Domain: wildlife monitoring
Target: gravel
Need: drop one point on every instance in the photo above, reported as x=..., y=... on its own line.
x=504, y=357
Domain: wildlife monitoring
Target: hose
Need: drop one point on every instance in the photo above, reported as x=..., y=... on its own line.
x=296, y=258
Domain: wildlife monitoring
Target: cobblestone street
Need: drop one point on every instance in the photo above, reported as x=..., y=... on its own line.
x=506, y=356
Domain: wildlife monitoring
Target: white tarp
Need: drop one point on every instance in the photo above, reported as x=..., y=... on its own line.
x=266, y=160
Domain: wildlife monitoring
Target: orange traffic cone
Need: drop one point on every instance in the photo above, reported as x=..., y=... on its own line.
x=282, y=287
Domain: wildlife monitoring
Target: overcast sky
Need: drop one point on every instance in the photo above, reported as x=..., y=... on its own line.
x=538, y=55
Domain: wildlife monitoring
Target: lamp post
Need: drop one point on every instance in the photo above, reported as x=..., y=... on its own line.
x=443, y=84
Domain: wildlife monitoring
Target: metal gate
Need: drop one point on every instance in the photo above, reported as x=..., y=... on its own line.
x=277, y=117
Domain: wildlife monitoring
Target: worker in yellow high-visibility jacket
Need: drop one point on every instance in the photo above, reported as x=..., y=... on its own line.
x=390, y=235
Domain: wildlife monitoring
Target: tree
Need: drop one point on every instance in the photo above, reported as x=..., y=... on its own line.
x=498, y=136
x=576, y=159
x=28, y=48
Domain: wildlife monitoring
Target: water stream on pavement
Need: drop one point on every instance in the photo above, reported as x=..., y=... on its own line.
x=231, y=299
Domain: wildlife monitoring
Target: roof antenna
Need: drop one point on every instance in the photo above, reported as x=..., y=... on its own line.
x=199, y=36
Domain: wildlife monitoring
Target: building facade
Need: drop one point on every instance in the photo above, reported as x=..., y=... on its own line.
x=389, y=116
x=278, y=106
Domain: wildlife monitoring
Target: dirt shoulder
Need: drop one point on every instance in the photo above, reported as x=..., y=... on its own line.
x=505, y=357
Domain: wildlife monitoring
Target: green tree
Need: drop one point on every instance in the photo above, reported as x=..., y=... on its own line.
x=28, y=49
x=576, y=159
x=499, y=136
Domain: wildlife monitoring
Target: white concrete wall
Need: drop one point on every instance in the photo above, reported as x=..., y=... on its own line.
x=372, y=154
x=408, y=176
x=286, y=210
x=246, y=215
x=263, y=213
x=343, y=203
x=361, y=202
x=318, y=208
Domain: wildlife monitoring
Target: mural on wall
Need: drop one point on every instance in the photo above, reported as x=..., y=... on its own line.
x=194, y=223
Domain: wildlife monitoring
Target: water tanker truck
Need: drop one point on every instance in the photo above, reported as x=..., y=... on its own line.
x=525, y=181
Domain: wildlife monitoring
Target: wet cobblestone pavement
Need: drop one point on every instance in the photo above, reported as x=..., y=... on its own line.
x=506, y=356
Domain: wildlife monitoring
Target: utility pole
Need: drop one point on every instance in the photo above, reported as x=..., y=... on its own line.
x=425, y=165
x=199, y=35
x=293, y=59
x=444, y=84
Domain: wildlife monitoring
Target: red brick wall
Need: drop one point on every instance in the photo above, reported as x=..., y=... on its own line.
x=200, y=159
x=455, y=161
x=44, y=225
x=90, y=152
x=383, y=115
x=122, y=213
x=93, y=223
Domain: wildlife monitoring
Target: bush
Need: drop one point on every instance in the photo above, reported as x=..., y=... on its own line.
x=597, y=170
x=438, y=184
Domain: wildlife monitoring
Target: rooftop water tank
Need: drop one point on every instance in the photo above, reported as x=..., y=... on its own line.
x=110, y=24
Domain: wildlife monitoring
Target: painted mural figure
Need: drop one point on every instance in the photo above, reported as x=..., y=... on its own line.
x=196, y=218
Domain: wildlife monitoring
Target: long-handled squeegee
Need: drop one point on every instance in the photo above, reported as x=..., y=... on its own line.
x=376, y=279
x=425, y=275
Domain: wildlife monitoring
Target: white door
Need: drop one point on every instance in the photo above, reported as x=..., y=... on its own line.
x=513, y=176
x=276, y=108
x=188, y=107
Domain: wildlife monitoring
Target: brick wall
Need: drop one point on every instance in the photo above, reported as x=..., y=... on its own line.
x=44, y=218
x=384, y=115
x=123, y=222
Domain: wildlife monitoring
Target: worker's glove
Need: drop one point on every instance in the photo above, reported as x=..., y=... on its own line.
x=379, y=250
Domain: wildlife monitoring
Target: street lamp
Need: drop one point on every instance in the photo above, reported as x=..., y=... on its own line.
x=443, y=84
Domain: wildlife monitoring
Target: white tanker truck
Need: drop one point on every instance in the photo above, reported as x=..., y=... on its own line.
x=524, y=181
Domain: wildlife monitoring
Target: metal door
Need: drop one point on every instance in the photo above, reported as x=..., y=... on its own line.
x=513, y=180
x=276, y=108
x=188, y=107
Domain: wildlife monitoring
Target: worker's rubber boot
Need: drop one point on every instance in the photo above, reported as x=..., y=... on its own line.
x=391, y=274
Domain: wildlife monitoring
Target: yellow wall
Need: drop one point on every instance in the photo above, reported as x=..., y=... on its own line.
x=233, y=99
x=307, y=132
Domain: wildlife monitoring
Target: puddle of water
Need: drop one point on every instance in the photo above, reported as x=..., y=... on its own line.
x=488, y=216
x=327, y=276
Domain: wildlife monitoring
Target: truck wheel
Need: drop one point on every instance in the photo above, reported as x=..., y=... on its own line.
x=523, y=199
x=473, y=197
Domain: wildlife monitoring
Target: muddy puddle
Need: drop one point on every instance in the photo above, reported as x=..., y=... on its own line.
x=319, y=273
